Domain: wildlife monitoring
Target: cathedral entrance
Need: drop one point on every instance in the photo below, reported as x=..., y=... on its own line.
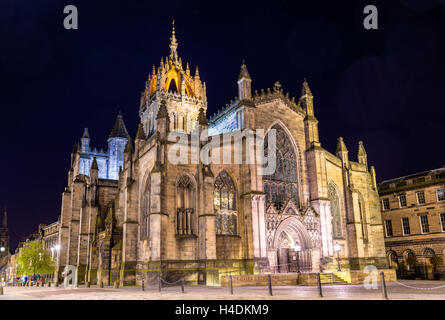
x=292, y=247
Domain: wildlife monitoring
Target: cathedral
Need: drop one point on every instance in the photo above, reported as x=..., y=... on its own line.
x=129, y=213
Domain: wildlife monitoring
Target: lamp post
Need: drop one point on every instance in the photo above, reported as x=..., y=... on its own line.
x=337, y=248
x=2, y=249
x=297, y=250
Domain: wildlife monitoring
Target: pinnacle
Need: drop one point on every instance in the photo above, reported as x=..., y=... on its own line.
x=305, y=90
x=341, y=146
x=140, y=133
x=244, y=73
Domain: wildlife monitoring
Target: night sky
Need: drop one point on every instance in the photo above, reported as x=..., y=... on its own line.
x=382, y=86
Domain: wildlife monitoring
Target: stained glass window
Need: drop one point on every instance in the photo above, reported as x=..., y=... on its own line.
x=281, y=185
x=224, y=199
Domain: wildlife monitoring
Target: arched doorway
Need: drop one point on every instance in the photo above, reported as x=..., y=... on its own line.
x=292, y=247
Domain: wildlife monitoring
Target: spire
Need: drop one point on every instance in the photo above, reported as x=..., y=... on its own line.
x=361, y=149
x=202, y=119
x=244, y=73
x=5, y=219
x=305, y=90
x=140, y=134
x=197, y=73
x=86, y=134
x=119, y=130
x=244, y=84
x=341, y=147
x=173, y=45
x=361, y=155
x=94, y=165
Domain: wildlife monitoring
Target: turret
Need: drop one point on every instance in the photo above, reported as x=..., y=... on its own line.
x=116, y=146
x=244, y=84
x=342, y=152
x=361, y=155
x=310, y=121
x=85, y=141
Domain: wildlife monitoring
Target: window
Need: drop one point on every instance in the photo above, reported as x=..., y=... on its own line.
x=442, y=221
x=385, y=203
x=335, y=211
x=388, y=228
x=424, y=224
x=145, y=223
x=405, y=225
x=440, y=194
x=420, y=197
x=281, y=185
x=240, y=119
x=402, y=200
x=224, y=201
x=185, y=206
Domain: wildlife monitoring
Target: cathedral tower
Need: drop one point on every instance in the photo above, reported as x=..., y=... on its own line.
x=185, y=94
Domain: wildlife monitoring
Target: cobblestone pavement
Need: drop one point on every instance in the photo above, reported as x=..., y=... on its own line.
x=401, y=290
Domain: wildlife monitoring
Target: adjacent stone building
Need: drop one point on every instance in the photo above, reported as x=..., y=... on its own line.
x=146, y=214
x=4, y=236
x=413, y=210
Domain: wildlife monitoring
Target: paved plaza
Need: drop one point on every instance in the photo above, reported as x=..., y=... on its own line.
x=401, y=290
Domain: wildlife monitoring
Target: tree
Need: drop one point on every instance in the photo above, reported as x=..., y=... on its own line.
x=34, y=259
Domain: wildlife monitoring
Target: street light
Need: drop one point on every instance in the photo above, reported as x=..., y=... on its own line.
x=2, y=249
x=337, y=248
x=297, y=250
x=57, y=247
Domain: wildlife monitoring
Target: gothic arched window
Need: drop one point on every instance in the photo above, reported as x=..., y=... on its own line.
x=281, y=185
x=363, y=220
x=185, y=205
x=146, y=211
x=224, y=199
x=335, y=211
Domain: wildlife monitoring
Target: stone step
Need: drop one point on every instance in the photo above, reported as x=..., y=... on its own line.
x=331, y=278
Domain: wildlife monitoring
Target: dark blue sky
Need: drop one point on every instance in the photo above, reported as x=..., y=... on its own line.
x=382, y=86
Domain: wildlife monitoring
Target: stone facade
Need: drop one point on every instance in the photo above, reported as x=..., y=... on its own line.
x=204, y=220
x=4, y=236
x=413, y=210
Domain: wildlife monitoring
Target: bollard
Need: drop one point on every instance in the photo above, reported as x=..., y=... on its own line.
x=384, y=291
x=182, y=284
x=88, y=284
x=49, y=284
x=101, y=284
x=159, y=282
x=116, y=284
x=1, y=290
x=320, y=291
x=56, y=284
x=269, y=280
x=143, y=287
x=231, y=284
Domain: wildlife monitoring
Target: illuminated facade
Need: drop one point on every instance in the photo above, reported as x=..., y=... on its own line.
x=4, y=236
x=203, y=221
